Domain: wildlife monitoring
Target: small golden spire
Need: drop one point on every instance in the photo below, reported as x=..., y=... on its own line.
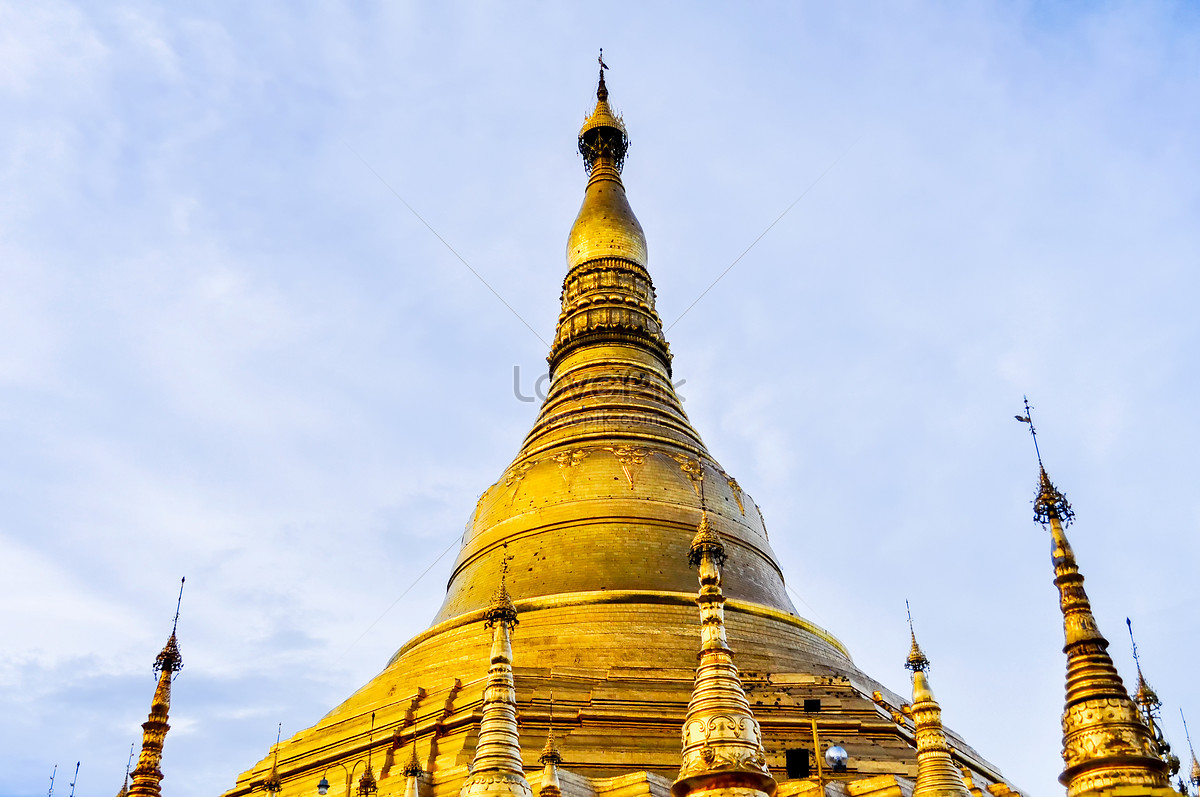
x=937, y=776
x=273, y=783
x=413, y=767
x=722, y=741
x=413, y=773
x=1150, y=708
x=147, y=776
x=608, y=296
x=916, y=659
x=603, y=136
x=1105, y=742
x=496, y=770
x=550, y=759
x=128, y=764
x=367, y=785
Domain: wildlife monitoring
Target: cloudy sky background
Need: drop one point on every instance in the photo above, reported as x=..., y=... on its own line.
x=230, y=352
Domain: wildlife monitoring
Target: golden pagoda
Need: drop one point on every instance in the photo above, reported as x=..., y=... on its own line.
x=722, y=742
x=937, y=774
x=593, y=522
x=1108, y=749
x=147, y=776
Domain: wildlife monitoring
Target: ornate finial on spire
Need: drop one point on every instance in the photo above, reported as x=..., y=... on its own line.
x=1049, y=501
x=550, y=760
x=502, y=608
x=1028, y=418
x=147, y=776
x=706, y=543
x=937, y=775
x=601, y=89
x=1105, y=741
x=722, y=742
x=1144, y=696
x=603, y=134
x=550, y=751
x=413, y=767
x=1150, y=707
x=170, y=660
x=413, y=772
x=917, y=662
x=273, y=783
x=367, y=785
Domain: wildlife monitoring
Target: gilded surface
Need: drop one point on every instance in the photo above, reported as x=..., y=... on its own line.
x=937, y=774
x=147, y=776
x=496, y=769
x=597, y=511
x=722, y=742
x=1105, y=742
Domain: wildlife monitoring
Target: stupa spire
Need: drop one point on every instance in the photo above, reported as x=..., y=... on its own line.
x=607, y=297
x=1105, y=742
x=1150, y=708
x=937, y=775
x=147, y=776
x=273, y=783
x=722, y=742
x=412, y=774
x=550, y=759
x=496, y=770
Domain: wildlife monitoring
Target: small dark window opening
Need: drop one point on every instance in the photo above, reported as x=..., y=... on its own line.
x=812, y=704
x=798, y=765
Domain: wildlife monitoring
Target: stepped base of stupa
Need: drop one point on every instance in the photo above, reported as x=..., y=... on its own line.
x=620, y=667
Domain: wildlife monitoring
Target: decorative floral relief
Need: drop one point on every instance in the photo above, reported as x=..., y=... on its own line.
x=630, y=458
x=568, y=460
x=516, y=474
x=709, y=758
x=692, y=468
x=737, y=493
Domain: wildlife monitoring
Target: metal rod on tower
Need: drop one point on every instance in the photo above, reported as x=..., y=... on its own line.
x=75, y=778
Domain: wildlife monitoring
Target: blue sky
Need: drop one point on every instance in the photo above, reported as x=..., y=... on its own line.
x=232, y=353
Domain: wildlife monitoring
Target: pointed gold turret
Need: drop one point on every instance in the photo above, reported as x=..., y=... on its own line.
x=1149, y=706
x=550, y=760
x=722, y=742
x=147, y=776
x=412, y=774
x=937, y=775
x=273, y=783
x=496, y=770
x=1105, y=742
x=607, y=295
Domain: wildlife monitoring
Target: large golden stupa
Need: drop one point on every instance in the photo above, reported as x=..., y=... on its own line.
x=590, y=528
